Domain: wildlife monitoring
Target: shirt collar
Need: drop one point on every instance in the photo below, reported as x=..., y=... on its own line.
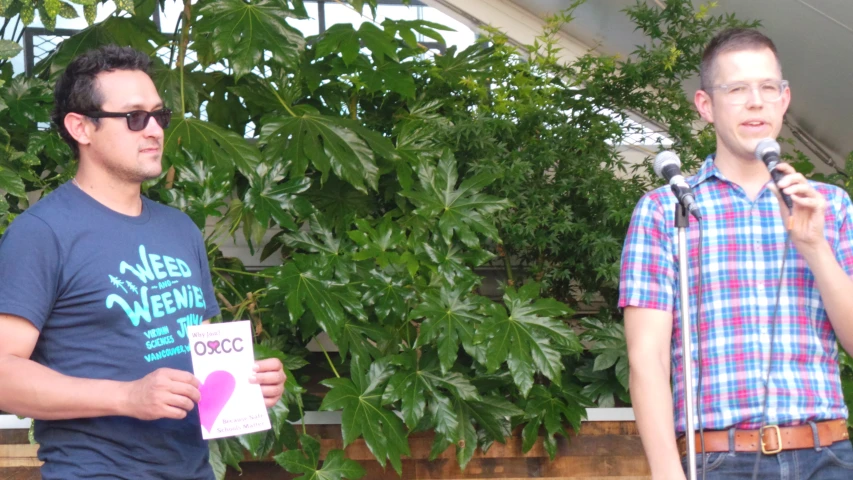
x=708, y=170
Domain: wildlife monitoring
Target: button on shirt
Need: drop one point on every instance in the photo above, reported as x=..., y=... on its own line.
x=743, y=246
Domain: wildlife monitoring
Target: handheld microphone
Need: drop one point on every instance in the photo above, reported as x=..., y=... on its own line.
x=668, y=167
x=768, y=152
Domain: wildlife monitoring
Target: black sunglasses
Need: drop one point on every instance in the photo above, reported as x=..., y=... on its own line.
x=137, y=119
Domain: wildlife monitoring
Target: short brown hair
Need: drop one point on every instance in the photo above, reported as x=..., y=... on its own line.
x=76, y=90
x=731, y=40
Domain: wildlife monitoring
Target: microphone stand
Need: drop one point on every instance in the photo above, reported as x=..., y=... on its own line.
x=682, y=221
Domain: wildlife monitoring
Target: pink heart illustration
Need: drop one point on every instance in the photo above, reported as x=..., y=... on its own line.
x=215, y=393
x=213, y=345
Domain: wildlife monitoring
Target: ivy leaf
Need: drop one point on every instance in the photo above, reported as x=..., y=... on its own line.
x=450, y=316
x=463, y=210
x=242, y=31
x=212, y=143
x=525, y=336
x=363, y=414
x=327, y=143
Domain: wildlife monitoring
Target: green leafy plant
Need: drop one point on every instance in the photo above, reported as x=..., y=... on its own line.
x=385, y=182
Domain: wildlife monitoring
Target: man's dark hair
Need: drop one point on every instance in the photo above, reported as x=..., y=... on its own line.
x=76, y=90
x=731, y=40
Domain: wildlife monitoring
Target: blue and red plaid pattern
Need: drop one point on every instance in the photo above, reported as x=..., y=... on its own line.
x=744, y=242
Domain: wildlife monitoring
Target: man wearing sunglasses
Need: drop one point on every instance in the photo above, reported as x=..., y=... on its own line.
x=98, y=286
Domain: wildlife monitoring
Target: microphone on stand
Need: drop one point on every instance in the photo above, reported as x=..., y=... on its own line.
x=768, y=152
x=668, y=167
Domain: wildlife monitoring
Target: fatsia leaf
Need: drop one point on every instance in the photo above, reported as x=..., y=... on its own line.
x=327, y=143
x=552, y=408
x=225, y=451
x=213, y=143
x=135, y=32
x=389, y=295
x=269, y=198
x=342, y=38
x=364, y=416
x=525, y=335
x=449, y=318
x=335, y=466
x=463, y=210
x=243, y=31
x=306, y=283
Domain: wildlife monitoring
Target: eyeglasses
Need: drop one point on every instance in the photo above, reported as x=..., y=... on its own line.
x=137, y=120
x=741, y=92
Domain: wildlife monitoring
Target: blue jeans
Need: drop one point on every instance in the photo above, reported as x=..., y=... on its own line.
x=834, y=462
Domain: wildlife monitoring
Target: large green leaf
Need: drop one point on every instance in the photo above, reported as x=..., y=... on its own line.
x=242, y=31
x=9, y=49
x=11, y=182
x=270, y=198
x=526, y=335
x=363, y=415
x=462, y=210
x=306, y=282
x=135, y=32
x=27, y=99
x=213, y=143
x=450, y=317
x=552, y=408
x=419, y=384
x=335, y=466
x=328, y=143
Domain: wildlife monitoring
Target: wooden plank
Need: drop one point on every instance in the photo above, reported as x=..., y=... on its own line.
x=19, y=456
x=18, y=473
x=478, y=469
x=14, y=436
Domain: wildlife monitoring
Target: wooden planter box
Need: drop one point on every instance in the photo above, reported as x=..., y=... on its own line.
x=602, y=450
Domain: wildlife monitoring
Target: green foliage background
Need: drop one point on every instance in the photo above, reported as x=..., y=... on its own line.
x=387, y=181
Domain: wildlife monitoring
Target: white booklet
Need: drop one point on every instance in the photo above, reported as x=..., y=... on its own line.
x=223, y=357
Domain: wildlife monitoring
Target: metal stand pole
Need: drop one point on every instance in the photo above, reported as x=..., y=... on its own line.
x=682, y=221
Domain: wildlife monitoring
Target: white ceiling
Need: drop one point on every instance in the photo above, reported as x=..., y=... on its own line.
x=814, y=39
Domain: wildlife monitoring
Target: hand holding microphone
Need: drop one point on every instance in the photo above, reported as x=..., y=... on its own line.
x=668, y=167
x=768, y=152
x=807, y=222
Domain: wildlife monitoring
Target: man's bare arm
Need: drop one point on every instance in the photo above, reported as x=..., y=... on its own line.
x=33, y=390
x=648, y=333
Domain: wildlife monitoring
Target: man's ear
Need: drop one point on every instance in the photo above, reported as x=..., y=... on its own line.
x=704, y=104
x=79, y=127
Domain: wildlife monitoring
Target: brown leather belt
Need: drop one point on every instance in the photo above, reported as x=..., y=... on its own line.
x=774, y=438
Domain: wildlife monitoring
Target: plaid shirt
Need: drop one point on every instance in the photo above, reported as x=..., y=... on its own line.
x=742, y=257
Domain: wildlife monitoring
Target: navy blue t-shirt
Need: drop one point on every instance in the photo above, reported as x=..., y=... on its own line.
x=112, y=296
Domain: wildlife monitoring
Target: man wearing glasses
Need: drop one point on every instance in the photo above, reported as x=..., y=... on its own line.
x=742, y=334
x=98, y=285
